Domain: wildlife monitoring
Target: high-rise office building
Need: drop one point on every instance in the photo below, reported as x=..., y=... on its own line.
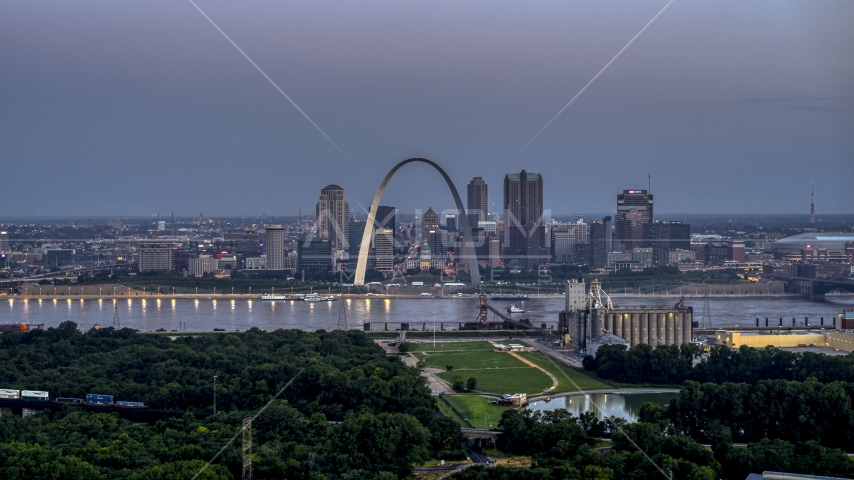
x=333, y=216
x=564, y=238
x=155, y=254
x=477, y=207
x=599, y=234
x=451, y=222
x=355, y=233
x=523, y=197
x=608, y=221
x=523, y=217
x=314, y=254
x=384, y=248
x=202, y=264
x=634, y=219
x=666, y=237
x=386, y=218
x=246, y=243
x=430, y=220
x=680, y=236
x=4, y=241
x=438, y=240
x=275, y=247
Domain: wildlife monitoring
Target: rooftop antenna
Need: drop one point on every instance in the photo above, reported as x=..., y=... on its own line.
x=812, y=207
x=648, y=183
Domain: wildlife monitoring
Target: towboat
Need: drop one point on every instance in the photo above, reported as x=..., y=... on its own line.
x=514, y=309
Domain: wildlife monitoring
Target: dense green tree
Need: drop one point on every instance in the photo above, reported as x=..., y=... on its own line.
x=32, y=461
x=671, y=364
x=457, y=383
x=351, y=409
x=471, y=384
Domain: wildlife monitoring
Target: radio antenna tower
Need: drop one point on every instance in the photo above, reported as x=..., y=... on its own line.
x=707, y=314
x=247, y=449
x=342, y=316
x=812, y=207
x=116, y=323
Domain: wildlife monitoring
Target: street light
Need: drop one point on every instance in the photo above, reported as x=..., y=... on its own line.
x=214, y=388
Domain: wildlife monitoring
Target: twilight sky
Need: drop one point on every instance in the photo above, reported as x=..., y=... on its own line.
x=130, y=108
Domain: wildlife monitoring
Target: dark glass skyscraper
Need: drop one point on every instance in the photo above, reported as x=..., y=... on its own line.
x=665, y=237
x=600, y=242
x=634, y=219
x=524, y=231
x=386, y=218
x=477, y=207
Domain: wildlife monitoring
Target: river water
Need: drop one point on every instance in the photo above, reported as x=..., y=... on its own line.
x=625, y=405
x=206, y=314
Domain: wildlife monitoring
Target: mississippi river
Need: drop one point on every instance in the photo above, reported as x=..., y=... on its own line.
x=206, y=314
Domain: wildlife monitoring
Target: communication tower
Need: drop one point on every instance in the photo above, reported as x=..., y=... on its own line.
x=247, y=449
x=342, y=316
x=707, y=314
x=812, y=207
x=116, y=323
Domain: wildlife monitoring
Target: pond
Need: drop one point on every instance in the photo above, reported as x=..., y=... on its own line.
x=625, y=405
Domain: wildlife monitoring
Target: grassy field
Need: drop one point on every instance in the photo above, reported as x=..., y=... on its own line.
x=558, y=369
x=471, y=360
x=446, y=411
x=504, y=380
x=496, y=372
x=477, y=409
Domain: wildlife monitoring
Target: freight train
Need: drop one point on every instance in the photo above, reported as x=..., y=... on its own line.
x=92, y=399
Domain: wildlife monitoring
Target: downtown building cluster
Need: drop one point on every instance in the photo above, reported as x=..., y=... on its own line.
x=519, y=234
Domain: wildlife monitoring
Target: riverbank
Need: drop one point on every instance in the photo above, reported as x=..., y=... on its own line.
x=133, y=294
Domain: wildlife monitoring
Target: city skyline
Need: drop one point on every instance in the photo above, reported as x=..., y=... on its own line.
x=140, y=108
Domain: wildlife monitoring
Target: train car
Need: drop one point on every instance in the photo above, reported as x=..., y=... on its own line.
x=68, y=400
x=34, y=396
x=10, y=394
x=98, y=399
x=130, y=404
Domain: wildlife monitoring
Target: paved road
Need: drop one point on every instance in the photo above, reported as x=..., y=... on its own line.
x=477, y=457
x=534, y=365
x=436, y=384
x=553, y=353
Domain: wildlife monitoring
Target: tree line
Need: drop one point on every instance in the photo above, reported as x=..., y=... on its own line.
x=352, y=412
x=564, y=447
x=674, y=364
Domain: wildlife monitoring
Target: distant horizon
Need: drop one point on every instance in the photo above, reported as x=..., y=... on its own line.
x=167, y=217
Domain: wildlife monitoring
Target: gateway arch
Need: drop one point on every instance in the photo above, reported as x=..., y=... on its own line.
x=469, y=254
